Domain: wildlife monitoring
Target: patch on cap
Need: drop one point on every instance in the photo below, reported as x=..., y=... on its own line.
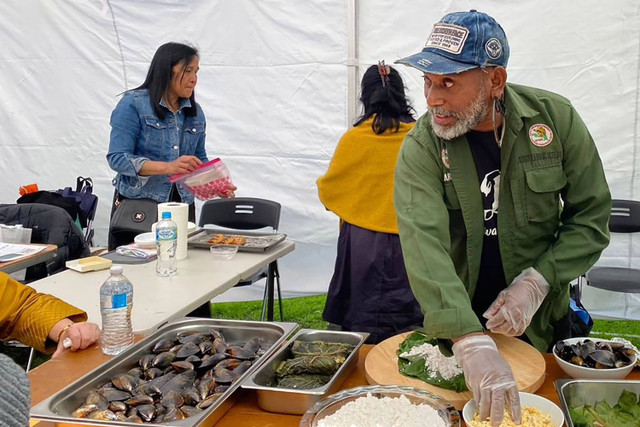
x=493, y=47
x=448, y=37
x=540, y=135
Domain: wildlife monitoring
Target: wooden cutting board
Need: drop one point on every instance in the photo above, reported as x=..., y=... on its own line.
x=527, y=364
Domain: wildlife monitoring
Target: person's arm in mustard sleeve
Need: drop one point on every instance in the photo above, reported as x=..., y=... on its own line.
x=30, y=317
x=423, y=222
x=584, y=232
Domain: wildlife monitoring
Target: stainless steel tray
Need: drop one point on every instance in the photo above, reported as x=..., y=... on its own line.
x=256, y=242
x=576, y=393
x=58, y=408
x=293, y=401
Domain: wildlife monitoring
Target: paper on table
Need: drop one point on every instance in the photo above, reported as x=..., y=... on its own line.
x=14, y=251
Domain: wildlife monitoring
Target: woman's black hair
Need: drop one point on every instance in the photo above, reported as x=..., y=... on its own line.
x=159, y=75
x=387, y=102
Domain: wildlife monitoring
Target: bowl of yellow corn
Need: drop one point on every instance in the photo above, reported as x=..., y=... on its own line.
x=536, y=412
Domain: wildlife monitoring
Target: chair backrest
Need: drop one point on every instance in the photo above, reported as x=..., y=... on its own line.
x=242, y=213
x=625, y=216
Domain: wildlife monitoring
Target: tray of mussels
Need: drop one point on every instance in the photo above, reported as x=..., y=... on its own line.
x=183, y=374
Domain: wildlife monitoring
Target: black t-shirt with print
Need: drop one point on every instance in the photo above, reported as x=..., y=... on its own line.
x=491, y=280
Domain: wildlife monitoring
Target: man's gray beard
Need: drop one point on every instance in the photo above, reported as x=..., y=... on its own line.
x=466, y=120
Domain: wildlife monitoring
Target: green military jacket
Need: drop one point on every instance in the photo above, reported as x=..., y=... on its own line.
x=554, y=207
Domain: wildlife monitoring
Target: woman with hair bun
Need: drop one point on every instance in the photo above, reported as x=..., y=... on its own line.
x=370, y=290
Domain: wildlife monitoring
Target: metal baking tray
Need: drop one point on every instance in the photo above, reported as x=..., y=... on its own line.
x=293, y=401
x=256, y=242
x=58, y=408
x=576, y=393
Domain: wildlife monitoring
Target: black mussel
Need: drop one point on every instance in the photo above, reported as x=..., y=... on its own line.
x=176, y=348
x=194, y=338
x=182, y=366
x=104, y=414
x=194, y=359
x=205, y=387
x=577, y=360
x=230, y=364
x=187, y=350
x=146, y=361
x=112, y=394
x=134, y=419
x=141, y=399
x=163, y=359
x=253, y=345
x=95, y=398
x=172, y=398
x=219, y=346
x=84, y=411
x=162, y=346
x=240, y=353
x=179, y=382
x=133, y=411
x=224, y=375
x=189, y=410
x=217, y=335
x=136, y=372
x=152, y=373
x=148, y=389
x=117, y=406
x=221, y=388
x=208, y=401
x=147, y=412
x=205, y=347
x=162, y=380
x=243, y=367
x=191, y=395
x=173, y=414
x=209, y=361
x=125, y=382
x=160, y=409
x=604, y=358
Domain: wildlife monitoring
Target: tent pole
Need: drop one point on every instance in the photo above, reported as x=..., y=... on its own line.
x=353, y=82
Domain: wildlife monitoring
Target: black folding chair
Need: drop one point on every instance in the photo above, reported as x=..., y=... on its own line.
x=247, y=213
x=625, y=218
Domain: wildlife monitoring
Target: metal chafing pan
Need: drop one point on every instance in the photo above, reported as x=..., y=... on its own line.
x=58, y=408
x=292, y=401
x=256, y=242
x=576, y=393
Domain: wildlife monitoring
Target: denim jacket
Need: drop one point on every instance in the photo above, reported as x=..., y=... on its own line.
x=138, y=135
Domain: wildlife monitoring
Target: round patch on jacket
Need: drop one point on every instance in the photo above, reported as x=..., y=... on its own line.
x=444, y=155
x=138, y=216
x=540, y=135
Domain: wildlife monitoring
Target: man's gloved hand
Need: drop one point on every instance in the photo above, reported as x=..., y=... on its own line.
x=513, y=309
x=489, y=377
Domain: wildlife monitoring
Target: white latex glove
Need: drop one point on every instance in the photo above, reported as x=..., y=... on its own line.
x=513, y=309
x=489, y=377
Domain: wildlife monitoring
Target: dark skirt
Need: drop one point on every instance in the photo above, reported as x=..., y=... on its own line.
x=370, y=291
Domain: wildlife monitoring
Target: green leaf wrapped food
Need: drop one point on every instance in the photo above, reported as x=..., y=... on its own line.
x=303, y=382
x=321, y=348
x=325, y=365
x=415, y=366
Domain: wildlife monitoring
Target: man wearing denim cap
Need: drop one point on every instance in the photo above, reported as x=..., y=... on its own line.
x=484, y=141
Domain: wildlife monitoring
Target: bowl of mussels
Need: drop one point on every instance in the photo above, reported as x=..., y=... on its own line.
x=586, y=358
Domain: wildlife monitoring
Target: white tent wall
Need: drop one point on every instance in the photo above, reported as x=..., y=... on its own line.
x=274, y=87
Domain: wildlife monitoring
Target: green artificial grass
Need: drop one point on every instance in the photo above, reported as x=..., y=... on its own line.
x=627, y=329
x=306, y=311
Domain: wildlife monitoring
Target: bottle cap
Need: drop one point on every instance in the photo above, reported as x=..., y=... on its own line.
x=166, y=215
x=115, y=269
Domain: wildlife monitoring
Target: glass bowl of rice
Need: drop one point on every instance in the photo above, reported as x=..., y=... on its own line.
x=389, y=406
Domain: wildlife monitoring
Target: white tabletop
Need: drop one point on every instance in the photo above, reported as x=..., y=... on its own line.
x=157, y=300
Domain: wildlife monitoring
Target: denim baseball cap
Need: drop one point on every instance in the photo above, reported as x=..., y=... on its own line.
x=459, y=42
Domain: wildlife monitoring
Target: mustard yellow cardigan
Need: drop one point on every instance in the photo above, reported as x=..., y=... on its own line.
x=358, y=186
x=28, y=316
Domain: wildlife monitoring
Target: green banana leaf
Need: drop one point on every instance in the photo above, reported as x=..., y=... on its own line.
x=414, y=366
x=325, y=365
x=321, y=348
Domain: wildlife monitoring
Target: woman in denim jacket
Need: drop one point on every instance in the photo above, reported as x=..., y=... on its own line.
x=158, y=130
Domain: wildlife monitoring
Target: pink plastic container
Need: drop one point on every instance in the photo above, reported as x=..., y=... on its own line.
x=209, y=180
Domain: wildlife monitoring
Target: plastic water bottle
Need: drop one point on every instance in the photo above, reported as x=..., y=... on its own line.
x=116, y=302
x=166, y=244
